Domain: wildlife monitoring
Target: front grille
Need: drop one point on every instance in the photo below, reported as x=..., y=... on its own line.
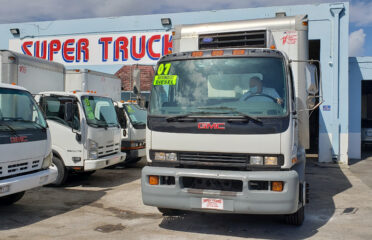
x=228, y=160
x=212, y=184
x=19, y=167
x=245, y=39
x=108, y=150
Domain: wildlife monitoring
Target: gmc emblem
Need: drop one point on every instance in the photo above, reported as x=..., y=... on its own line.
x=18, y=139
x=209, y=125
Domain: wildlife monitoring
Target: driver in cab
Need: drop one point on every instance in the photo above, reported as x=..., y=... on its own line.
x=259, y=93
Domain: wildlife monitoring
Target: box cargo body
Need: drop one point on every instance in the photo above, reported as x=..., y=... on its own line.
x=103, y=84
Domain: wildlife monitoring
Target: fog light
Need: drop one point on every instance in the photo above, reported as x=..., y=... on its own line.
x=277, y=186
x=256, y=160
x=154, y=180
x=271, y=161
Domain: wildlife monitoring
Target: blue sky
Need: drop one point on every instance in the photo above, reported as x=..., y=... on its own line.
x=44, y=10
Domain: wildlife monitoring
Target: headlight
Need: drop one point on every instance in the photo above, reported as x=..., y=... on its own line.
x=256, y=160
x=163, y=156
x=92, y=149
x=271, y=161
x=47, y=161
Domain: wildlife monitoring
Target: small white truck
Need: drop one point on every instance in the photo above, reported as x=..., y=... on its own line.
x=25, y=143
x=132, y=118
x=228, y=119
x=84, y=128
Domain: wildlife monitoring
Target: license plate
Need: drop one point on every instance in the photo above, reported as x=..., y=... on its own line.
x=4, y=189
x=212, y=203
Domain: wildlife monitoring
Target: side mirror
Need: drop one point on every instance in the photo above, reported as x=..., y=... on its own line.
x=311, y=74
x=68, y=111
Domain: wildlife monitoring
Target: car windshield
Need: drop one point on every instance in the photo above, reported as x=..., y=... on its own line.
x=255, y=86
x=136, y=114
x=18, y=111
x=99, y=111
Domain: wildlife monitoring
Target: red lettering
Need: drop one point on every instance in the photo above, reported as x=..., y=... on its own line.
x=67, y=51
x=167, y=44
x=18, y=139
x=208, y=125
x=142, y=45
x=43, y=54
x=25, y=47
x=82, y=48
x=105, y=41
x=54, y=47
x=121, y=46
x=150, y=51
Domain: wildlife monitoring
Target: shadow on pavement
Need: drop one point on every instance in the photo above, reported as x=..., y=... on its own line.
x=326, y=181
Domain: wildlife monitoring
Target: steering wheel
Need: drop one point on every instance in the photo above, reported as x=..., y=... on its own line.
x=261, y=95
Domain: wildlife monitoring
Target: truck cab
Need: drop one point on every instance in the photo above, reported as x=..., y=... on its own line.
x=133, y=123
x=85, y=131
x=25, y=145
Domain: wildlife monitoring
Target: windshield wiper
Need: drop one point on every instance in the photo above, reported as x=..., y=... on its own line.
x=189, y=115
x=28, y=121
x=8, y=126
x=233, y=110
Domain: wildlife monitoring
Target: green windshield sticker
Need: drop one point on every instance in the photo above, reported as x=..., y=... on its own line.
x=89, y=110
x=130, y=109
x=165, y=80
x=164, y=69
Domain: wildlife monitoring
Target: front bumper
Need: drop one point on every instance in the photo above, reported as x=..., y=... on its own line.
x=28, y=181
x=136, y=153
x=90, y=164
x=248, y=201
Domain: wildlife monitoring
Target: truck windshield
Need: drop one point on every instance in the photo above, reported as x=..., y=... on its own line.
x=255, y=86
x=136, y=114
x=19, y=111
x=99, y=111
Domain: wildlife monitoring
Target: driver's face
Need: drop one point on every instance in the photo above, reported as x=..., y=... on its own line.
x=255, y=83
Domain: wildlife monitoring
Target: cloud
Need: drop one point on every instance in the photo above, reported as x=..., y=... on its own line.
x=360, y=13
x=40, y=10
x=356, y=43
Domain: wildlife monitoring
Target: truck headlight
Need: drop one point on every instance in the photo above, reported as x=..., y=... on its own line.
x=256, y=160
x=163, y=156
x=92, y=149
x=271, y=160
x=47, y=161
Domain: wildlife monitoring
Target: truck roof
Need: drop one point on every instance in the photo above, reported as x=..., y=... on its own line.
x=11, y=57
x=71, y=93
x=84, y=70
x=11, y=86
x=223, y=53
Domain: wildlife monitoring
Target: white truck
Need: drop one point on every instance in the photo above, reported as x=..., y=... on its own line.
x=228, y=119
x=25, y=143
x=132, y=118
x=84, y=128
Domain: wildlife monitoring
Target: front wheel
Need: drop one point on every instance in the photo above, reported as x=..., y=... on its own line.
x=62, y=172
x=12, y=198
x=296, y=218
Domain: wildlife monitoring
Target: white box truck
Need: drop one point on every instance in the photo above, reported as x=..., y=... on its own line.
x=84, y=128
x=25, y=142
x=228, y=119
x=131, y=117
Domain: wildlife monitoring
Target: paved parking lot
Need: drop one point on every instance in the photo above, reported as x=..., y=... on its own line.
x=108, y=205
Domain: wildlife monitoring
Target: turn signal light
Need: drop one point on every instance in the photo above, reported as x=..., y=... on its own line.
x=154, y=180
x=277, y=186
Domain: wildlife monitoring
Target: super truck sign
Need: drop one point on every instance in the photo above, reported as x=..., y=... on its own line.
x=136, y=48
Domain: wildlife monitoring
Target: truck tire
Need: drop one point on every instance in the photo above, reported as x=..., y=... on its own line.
x=62, y=172
x=12, y=198
x=296, y=218
x=168, y=211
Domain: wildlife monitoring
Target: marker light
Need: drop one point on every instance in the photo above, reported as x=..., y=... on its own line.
x=238, y=52
x=277, y=186
x=217, y=53
x=13, y=84
x=196, y=54
x=294, y=160
x=272, y=47
x=154, y=180
x=305, y=23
